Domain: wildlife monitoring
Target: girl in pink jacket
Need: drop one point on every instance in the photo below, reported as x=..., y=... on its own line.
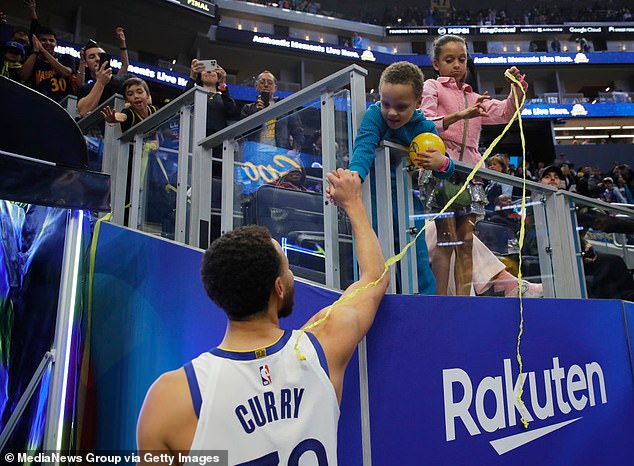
x=458, y=113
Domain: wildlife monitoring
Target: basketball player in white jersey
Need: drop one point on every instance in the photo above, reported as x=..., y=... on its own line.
x=253, y=395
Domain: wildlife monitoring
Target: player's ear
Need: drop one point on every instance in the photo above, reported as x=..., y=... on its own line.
x=278, y=287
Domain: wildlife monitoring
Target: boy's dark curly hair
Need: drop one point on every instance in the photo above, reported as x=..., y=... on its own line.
x=403, y=72
x=239, y=269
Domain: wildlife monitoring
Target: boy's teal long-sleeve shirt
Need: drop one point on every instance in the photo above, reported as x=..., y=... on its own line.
x=374, y=129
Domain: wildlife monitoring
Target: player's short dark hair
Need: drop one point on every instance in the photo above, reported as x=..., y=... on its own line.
x=239, y=270
x=404, y=72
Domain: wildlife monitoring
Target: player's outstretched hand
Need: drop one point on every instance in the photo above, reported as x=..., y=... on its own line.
x=344, y=187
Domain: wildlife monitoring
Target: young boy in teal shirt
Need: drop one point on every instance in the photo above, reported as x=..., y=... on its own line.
x=396, y=118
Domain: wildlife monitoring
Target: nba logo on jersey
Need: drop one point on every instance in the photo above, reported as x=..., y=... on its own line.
x=265, y=375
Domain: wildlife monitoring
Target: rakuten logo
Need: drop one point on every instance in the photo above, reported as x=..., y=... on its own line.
x=574, y=389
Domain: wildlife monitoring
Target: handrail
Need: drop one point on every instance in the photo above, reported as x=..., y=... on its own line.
x=599, y=204
x=532, y=185
x=161, y=115
x=66, y=99
x=312, y=92
x=69, y=103
x=490, y=174
x=94, y=116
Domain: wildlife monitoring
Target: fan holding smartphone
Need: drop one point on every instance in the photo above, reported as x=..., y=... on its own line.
x=104, y=60
x=220, y=105
x=287, y=132
x=208, y=74
x=96, y=80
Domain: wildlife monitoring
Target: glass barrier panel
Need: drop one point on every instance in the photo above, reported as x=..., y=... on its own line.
x=159, y=172
x=94, y=136
x=490, y=214
x=607, y=244
x=190, y=156
x=278, y=184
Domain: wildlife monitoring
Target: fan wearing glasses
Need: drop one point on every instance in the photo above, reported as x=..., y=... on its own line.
x=286, y=132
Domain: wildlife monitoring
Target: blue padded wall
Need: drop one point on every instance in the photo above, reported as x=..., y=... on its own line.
x=425, y=354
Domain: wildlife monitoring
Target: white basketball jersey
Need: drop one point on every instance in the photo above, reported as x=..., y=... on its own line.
x=266, y=407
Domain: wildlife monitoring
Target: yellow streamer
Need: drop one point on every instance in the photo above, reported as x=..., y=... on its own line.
x=85, y=357
x=520, y=293
x=397, y=257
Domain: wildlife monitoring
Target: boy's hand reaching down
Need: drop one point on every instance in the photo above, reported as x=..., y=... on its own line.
x=344, y=188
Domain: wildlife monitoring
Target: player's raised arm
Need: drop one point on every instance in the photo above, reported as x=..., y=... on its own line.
x=352, y=318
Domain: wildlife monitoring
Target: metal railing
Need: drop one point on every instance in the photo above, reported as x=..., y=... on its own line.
x=325, y=91
x=553, y=216
x=93, y=125
x=190, y=109
x=553, y=213
x=69, y=103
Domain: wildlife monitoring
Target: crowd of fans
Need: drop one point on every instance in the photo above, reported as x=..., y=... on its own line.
x=606, y=273
x=309, y=6
x=546, y=14
x=617, y=185
x=29, y=57
x=396, y=15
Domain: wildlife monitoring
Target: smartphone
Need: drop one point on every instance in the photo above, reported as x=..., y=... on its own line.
x=104, y=57
x=210, y=65
x=266, y=97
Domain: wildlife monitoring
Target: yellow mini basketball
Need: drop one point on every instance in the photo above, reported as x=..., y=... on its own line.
x=423, y=141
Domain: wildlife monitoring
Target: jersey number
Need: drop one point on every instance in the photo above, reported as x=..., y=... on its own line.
x=58, y=84
x=273, y=459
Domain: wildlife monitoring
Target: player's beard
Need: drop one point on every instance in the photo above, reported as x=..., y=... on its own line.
x=287, y=304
